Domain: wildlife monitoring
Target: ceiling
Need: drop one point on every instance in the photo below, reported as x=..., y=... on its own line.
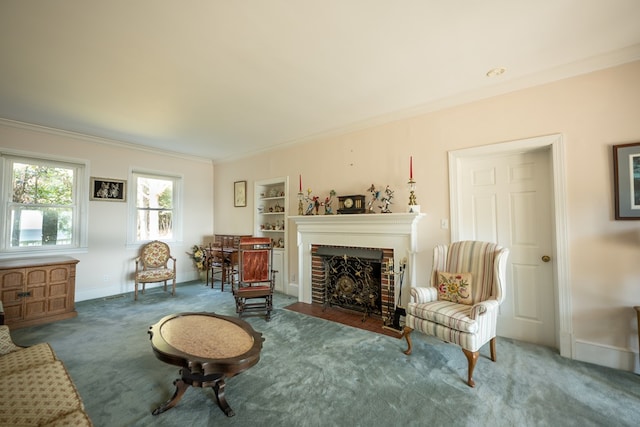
x=222, y=79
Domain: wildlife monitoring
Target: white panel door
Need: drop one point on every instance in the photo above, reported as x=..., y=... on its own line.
x=507, y=199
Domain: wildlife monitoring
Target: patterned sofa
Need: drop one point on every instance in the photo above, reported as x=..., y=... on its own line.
x=36, y=388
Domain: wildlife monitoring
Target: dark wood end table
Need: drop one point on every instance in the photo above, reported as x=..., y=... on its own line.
x=209, y=348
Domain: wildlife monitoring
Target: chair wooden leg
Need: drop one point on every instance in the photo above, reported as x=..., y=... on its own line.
x=165, y=286
x=472, y=357
x=269, y=304
x=173, y=287
x=492, y=346
x=213, y=276
x=223, y=276
x=135, y=292
x=406, y=334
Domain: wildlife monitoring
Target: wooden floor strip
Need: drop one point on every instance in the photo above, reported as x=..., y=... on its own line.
x=345, y=317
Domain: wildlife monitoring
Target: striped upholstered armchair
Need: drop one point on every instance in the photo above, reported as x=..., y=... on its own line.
x=461, y=305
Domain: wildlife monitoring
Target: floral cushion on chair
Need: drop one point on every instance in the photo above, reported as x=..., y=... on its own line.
x=155, y=254
x=157, y=275
x=455, y=287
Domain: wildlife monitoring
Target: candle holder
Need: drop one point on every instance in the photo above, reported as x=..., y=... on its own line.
x=414, y=207
x=300, y=204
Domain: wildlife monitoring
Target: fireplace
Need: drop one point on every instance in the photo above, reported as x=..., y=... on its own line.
x=394, y=234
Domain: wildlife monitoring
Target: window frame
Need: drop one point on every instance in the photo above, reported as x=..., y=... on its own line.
x=80, y=201
x=177, y=213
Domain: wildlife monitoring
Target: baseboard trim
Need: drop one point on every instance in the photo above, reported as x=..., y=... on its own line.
x=110, y=291
x=609, y=356
x=292, y=289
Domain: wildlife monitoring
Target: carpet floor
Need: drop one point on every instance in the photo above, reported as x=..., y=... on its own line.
x=315, y=372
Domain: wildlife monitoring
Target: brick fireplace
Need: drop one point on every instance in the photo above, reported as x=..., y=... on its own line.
x=394, y=234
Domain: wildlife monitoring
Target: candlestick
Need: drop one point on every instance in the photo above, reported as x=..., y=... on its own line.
x=411, y=168
x=300, y=206
x=414, y=207
x=300, y=176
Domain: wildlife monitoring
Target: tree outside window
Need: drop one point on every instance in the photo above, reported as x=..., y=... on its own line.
x=155, y=208
x=42, y=207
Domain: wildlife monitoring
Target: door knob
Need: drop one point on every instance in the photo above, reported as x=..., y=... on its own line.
x=546, y=258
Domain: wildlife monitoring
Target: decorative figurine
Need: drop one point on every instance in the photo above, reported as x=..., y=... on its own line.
x=375, y=195
x=316, y=203
x=327, y=203
x=386, y=200
x=309, y=200
x=309, y=210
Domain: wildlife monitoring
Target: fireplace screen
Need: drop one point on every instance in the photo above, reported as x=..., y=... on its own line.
x=352, y=278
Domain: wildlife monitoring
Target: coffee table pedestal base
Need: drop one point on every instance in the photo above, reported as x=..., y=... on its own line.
x=196, y=379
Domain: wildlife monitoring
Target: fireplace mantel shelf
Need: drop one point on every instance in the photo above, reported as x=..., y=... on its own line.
x=358, y=222
x=397, y=231
x=378, y=217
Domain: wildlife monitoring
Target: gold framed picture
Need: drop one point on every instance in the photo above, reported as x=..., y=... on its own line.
x=240, y=194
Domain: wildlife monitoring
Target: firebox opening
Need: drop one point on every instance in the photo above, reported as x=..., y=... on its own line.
x=352, y=278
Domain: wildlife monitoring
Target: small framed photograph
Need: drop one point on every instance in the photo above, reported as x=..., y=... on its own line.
x=626, y=177
x=107, y=189
x=240, y=194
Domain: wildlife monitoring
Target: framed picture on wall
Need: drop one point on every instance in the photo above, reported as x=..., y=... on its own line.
x=626, y=177
x=240, y=193
x=107, y=189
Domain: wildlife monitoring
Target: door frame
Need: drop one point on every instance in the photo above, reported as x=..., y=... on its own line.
x=562, y=285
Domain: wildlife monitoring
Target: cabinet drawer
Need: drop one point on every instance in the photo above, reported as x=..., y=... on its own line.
x=12, y=279
x=12, y=312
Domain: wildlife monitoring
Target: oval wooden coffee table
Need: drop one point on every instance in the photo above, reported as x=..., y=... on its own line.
x=209, y=347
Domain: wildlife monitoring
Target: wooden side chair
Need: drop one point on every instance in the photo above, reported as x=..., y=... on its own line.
x=218, y=266
x=152, y=265
x=254, y=288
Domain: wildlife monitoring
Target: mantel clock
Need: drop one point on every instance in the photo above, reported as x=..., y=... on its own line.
x=351, y=204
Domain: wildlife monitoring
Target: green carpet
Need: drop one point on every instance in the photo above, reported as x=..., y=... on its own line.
x=314, y=372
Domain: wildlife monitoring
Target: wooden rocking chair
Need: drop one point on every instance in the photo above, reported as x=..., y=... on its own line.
x=256, y=279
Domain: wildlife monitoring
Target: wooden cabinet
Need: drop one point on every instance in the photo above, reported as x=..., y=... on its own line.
x=37, y=290
x=270, y=220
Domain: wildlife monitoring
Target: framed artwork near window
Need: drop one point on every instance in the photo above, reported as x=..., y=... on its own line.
x=240, y=194
x=107, y=189
x=626, y=178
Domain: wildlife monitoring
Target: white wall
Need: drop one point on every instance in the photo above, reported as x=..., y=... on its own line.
x=107, y=267
x=592, y=112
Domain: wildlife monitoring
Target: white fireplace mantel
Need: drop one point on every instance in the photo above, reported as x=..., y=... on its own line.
x=397, y=231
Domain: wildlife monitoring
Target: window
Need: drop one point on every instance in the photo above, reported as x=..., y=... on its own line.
x=44, y=204
x=155, y=207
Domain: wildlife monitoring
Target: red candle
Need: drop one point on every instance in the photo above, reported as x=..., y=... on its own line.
x=300, y=176
x=411, y=167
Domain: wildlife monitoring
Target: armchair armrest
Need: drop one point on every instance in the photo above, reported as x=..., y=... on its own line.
x=6, y=343
x=484, y=307
x=423, y=294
